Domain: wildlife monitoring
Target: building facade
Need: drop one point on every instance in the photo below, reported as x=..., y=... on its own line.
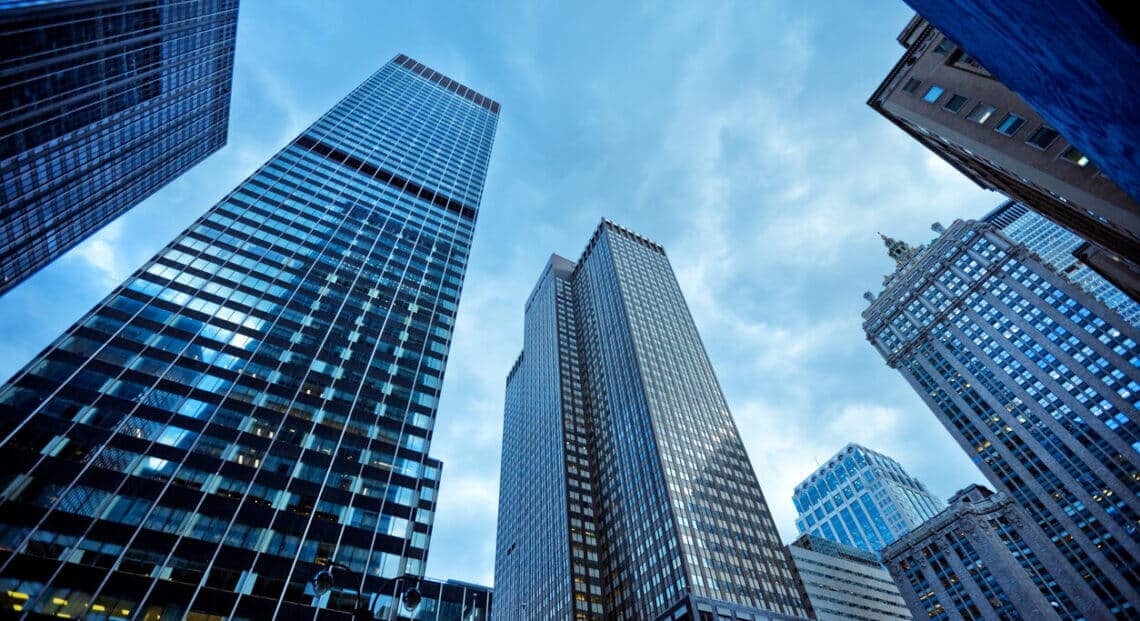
x=257, y=400
x=101, y=104
x=862, y=498
x=1087, y=101
x=981, y=558
x=449, y=600
x=1036, y=380
x=843, y=583
x=945, y=99
x=1061, y=250
x=625, y=491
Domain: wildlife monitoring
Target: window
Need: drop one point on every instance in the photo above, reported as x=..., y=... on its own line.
x=1010, y=124
x=956, y=103
x=944, y=47
x=911, y=85
x=981, y=113
x=933, y=93
x=1074, y=156
x=1043, y=137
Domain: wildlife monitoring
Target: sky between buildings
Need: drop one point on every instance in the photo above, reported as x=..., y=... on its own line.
x=735, y=134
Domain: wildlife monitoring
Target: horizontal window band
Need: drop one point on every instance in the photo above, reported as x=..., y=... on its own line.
x=351, y=161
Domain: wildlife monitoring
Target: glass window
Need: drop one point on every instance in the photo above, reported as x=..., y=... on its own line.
x=981, y=113
x=911, y=85
x=1010, y=124
x=1072, y=155
x=933, y=93
x=955, y=103
x=1043, y=137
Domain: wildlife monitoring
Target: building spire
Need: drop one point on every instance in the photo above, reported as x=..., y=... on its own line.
x=899, y=250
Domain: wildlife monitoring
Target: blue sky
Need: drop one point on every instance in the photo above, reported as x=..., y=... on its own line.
x=735, y=134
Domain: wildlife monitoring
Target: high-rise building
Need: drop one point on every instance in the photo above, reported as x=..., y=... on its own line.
x=843, y=583
x=101, y=104
x=257, y=400
x=945, y=99
x=862, y=498
x=981, y=558
x=1088, y=101
x=625, y=491
x=1060, y=249
x=1036, y=380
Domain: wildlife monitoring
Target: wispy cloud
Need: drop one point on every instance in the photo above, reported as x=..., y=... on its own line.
x=100, y=254
x=733, y=133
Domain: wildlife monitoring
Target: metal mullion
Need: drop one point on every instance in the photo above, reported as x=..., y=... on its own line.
x=375, y=534
x=407, y=221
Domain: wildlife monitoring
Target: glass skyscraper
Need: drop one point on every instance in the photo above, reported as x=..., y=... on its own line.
x=625, y=491
x=1038, y=382
x=101, y=104
x=1056, y=246
x=862, y=498
x=257, y=400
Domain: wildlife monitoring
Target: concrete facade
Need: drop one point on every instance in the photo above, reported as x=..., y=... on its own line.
x=1038, y=381
x=950, y=103
x=982, y=557
x=845, y=583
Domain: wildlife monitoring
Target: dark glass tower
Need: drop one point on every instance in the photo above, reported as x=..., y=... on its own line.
x=1038, y=381
x=101, y=104
x=625, y=491
x=258, y=399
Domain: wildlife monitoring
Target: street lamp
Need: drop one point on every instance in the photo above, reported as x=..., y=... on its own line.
x=323, y=582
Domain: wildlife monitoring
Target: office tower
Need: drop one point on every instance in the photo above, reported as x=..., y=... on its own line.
x=863, y=499
x=1036, y=380
x=981, y=558
x=1060, y=249
x=844, y=583
x=945, y=99
x=101, y=104
x=625, y=491
x=1088, y=101
x=257, y=400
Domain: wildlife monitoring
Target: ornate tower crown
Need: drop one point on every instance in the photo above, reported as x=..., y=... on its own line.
x=899, y=250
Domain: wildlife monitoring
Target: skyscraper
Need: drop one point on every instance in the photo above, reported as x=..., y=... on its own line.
x=1036, y=380
x=862, y=498
x=101, y=104
x=981, y=558
x=946, y=100
x=843, y=583
x=1059, y=248
x=625, y=491
x=257, y=400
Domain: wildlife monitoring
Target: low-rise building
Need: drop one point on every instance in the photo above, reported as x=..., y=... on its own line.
x=983, y=558
x=845, y=583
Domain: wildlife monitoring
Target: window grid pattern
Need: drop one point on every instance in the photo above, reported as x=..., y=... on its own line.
x=104, y=104
x=982, y=558
x=862, y=498
x=259, y=398
x=1039, y=382
x=843, y=582
x=681, y=522
x=1055, y=245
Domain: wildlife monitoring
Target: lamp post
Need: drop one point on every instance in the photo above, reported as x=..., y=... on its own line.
x=323, y=582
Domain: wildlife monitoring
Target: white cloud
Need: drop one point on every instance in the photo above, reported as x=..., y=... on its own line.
x=101, y=254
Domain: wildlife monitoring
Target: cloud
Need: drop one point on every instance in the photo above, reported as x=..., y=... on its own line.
x=101, y=254
x=733, y=133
